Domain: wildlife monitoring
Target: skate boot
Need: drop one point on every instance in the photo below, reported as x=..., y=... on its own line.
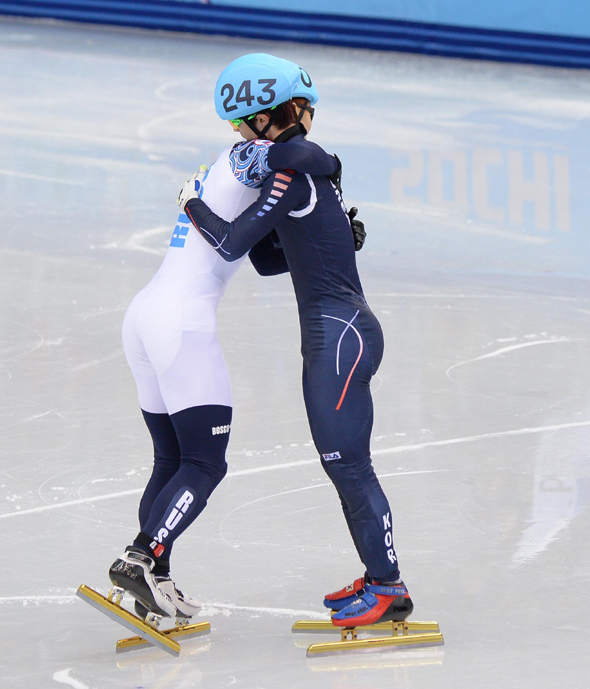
x=344, y=597
x=133, y=572
x=378, y=603
x=185, y=606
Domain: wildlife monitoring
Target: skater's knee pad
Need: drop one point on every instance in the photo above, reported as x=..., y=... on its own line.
x=166, y=448
x=203, y=434
x=213, y=468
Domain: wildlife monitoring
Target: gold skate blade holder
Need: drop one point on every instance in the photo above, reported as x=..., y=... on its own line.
x=180, y=631
x=113, y=609
x=400, y=634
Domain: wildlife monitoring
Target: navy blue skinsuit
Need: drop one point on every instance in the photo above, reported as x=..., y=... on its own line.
x=342, y=342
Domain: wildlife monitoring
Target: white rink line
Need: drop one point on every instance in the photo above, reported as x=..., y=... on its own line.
x=71, y=503
x=312, y=487
x=512, y=348
x=38, y=599
x=304, y=462
x=475, y=438
x=72, y=598
x=42, y=178
x=288, y=612
x=137, y=491
x=63, y=676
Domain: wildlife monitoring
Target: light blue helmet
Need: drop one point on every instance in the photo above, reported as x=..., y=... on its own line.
x=304, y=88
x=260, y=82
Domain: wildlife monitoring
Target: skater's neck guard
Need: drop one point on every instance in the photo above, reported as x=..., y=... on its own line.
x=295, y=130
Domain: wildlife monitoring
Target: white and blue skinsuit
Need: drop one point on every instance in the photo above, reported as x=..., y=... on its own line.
x=171, y=344
x=342, y=342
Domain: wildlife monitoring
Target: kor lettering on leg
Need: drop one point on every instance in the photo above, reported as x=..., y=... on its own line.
x=389, y=538
x=178, y=511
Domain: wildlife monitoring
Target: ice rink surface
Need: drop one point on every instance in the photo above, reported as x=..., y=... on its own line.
x=472, y=179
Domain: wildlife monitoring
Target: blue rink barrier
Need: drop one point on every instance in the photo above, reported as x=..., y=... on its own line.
x=328, y=29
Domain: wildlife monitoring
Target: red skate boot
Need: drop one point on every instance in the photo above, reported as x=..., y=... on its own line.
x=344, y=597
x=378, y=603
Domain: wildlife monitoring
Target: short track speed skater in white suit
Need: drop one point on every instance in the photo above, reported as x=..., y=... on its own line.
x=171, y=343
x=170, y=329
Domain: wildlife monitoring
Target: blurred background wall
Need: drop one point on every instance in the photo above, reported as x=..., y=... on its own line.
x=536, y=31
x=571, y=18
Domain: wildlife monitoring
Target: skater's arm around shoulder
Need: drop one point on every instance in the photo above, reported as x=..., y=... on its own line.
x=281, y=193
x=302, y=156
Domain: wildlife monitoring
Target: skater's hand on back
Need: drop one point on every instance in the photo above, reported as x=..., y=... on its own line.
x=336, y=178
x=193, y=187
x=358, y=229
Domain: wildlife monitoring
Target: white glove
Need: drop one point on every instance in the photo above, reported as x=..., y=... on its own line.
x=193, y=187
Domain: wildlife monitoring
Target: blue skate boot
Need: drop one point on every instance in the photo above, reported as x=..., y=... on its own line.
x=344, y=597
x=378, y=603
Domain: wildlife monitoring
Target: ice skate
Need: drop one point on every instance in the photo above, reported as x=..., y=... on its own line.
x=372, y=608
x=378, y=603
x=146, y=629
x=344, y=597
x=133, y=573
x=154, y=600
x=185, y=606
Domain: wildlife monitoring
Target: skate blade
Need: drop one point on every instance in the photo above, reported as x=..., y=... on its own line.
x=400, y=634
x=186, y=632
x=128, y=620
x=378, y=659
x=327, y=626
x=335, y=647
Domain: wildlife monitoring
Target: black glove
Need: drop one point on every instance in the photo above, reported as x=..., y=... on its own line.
x=358, y=229
x=336, y=178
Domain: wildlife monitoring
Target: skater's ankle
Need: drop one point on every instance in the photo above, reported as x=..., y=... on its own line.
x=386, y=581
x=147, y=545
x=162, y=568
x=138, y=548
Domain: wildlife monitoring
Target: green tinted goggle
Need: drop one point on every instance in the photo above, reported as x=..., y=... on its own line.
x=238, y=121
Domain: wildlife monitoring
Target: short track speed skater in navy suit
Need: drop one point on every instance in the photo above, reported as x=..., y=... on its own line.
x=341, y=339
